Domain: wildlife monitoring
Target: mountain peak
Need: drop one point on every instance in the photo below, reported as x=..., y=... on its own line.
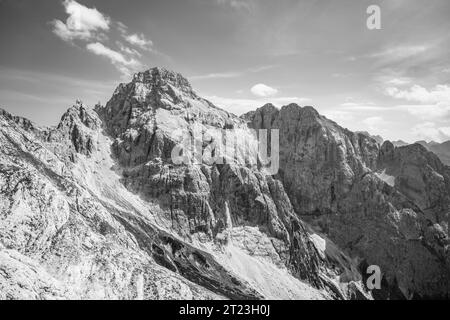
x=23, y=122
x=160, y=77
x=310, y=109
x=306, y=110
x=81, y=114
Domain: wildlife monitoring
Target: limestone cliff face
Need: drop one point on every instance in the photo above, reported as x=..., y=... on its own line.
x=64, y=220
x=205, y=202
x=319, y=160
x=336, y=180
x=97, y=208
x=144, y=113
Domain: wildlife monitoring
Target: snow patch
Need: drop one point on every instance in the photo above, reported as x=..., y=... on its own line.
x=390, y=180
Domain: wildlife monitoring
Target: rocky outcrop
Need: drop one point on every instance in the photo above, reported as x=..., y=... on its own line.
x=62, y=229
x=144, y=113
x=97, y=208
x=78, y=125
x=379, y=139
x=332, y=178
x=318, y=160
x=22, y=122
x=200, y=200
x=110, y=216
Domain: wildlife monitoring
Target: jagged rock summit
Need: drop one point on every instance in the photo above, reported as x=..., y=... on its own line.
x=96, y=208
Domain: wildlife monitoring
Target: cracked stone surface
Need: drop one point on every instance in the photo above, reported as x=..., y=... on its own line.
x=332, y=178
x=94, y=208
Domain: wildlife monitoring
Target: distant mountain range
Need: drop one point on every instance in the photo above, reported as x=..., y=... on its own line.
x=442, y=150
x=96, y=208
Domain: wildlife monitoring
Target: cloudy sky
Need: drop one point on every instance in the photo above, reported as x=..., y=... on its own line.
x=239, y=54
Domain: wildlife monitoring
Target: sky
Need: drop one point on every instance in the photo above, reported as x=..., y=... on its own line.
x=239, y=54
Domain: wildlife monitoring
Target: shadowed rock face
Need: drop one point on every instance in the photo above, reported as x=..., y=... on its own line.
x=319, y=160
x=329, y=175
x=97, y=209
x=420, y=175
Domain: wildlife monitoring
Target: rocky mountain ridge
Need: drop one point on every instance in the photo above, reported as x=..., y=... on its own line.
x=348, y=187
x=442, y=150
x=95, y=208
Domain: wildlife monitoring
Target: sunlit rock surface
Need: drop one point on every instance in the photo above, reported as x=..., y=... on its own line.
x=95, y=208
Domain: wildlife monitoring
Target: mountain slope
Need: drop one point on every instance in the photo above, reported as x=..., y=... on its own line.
x=442, y=150
x=97, y=208
x=59, y=221
x=336, y=180
x=94, y=208
x=199, y=200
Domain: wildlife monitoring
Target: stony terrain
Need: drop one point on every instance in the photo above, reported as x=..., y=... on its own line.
x=95, y=208
x=387, y=206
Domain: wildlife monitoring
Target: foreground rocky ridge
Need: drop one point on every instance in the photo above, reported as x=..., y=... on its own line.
x=95, y=208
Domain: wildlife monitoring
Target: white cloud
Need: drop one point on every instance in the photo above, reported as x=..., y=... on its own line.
x=399, y=81
x=420, y=94
x=400, y=52
x=438, y=111
x=340, y=116
x=351, y=105
x=219, y=75
x=431, y=104
x=124, y=65
x=128, y=50
x=262, y=68
x=232, y=74
x=134, y=39
x=101, y=50
x=241, y=106
x=431, y=131
x=122, y=27
x=139, y=41
x=390, y=77
x=93, y=27
x=83, y=22
x=263, y=91
x=245, y=5
x=374, y=124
